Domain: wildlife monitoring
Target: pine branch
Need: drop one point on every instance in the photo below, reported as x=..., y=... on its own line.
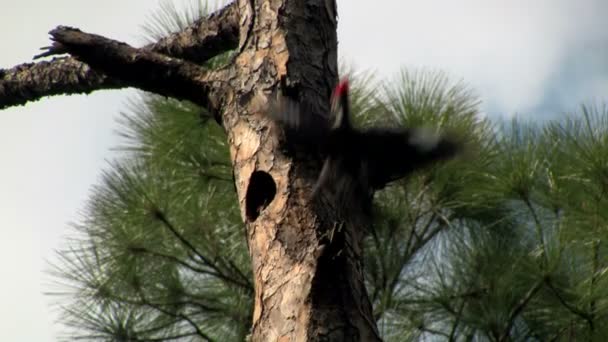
x=429, y=232
x=417, y=204
x=174, y=259
x=452, y=336
x=240, y=273
x=433, y=331
x=143, y=301
x=176, y=315
x=594, y=276
x=214, y=273
x=165, y=338
x=519, y=308
x=539, y=230
x=205, y=308
x=162, y=218
x=573, y=309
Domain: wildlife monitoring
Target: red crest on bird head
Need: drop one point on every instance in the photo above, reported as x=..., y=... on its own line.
x=339, y=105
x=341, y=89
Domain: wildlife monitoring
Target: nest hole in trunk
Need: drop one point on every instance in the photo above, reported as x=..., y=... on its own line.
x=260, y=192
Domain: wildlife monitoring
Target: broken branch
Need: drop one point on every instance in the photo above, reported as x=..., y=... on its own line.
x=31, y=81
x=204, y=39
x=125, y=65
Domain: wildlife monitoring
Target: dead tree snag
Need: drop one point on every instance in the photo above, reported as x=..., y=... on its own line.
x=306, y=257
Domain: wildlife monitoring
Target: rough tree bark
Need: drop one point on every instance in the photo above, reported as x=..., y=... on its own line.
x=306, y=258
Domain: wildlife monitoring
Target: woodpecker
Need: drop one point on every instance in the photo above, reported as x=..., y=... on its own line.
x=357, y=162
x=388, y=153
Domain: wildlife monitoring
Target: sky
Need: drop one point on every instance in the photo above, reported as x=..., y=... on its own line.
x=535, y=59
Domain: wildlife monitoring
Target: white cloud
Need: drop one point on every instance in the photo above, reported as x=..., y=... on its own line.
x=507, y=50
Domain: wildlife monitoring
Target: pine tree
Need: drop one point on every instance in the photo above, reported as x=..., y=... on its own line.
x=503, y=243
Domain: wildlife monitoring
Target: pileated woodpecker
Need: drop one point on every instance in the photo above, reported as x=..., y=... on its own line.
x=360, y=161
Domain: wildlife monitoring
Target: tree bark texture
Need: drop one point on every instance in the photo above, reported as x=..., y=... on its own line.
x=306, y=254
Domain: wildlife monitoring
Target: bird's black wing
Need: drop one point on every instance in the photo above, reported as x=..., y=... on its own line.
x=302, y=127
x=393, y=153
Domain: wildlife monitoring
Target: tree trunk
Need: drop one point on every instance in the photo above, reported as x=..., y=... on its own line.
x=306, y=255
x=306, y=259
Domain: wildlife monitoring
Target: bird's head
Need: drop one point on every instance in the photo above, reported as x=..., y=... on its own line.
x=339, y=105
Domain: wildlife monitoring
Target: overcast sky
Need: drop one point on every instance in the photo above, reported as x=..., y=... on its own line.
x=536, y=58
